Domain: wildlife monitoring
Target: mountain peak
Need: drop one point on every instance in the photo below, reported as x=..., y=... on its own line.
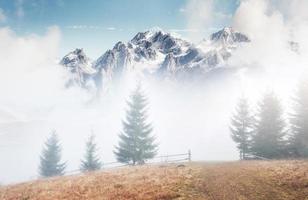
x=78, y=51
x=228, y=29
x=147, y=35
x=75, y=57
x=156, y=40
x=119, y=46
x=79, y=65
x=160, y=52
x=154, y=30
x=228, y=36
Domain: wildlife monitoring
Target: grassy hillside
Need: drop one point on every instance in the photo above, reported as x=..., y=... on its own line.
x=262, y=180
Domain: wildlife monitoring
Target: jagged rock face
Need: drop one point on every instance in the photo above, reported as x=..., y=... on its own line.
x=148, y=45
x=146, y=48
x=161, y=54
x=80, y=66
x=112, y=64
x=228, y=36
x=160, y=41
x=77, y=59
x=205, y=56
x=115, y=60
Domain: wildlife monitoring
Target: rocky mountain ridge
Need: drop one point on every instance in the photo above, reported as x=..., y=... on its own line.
x=154, y=52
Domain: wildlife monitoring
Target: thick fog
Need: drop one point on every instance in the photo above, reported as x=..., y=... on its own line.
x=195, y=116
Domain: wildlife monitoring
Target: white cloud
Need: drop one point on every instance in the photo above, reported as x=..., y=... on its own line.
x=30, y=77
x=77, y=27
x=33, y=94
x=2, y=16
x=182, y=10
x=199, y=16
x=222, y=16
x=22, y=59
x=270, y=29
x=111, y=28
x=84, y=27
x=271, y=26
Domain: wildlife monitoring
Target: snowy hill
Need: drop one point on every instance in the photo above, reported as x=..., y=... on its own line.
x=156, y=53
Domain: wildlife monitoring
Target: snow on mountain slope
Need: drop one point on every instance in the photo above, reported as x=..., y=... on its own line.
x=228, y=37
x=155, y=52
x=144, y=54
x=80, y=67
x=207, y=55
x=148, y=48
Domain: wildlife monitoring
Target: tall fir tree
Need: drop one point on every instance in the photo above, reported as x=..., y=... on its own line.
x=136, y=143
x=50, y=159
x=91, y=160
x=241, y=127
x=298, y=140
x=268, y=140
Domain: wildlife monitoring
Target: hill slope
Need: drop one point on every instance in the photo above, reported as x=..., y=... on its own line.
x=233, y=180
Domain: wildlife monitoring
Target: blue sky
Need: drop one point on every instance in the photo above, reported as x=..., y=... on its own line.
x=96, y=25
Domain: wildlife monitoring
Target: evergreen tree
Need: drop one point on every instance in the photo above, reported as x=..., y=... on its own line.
x=91, y=161
x=268, y=138
x=241, y=127
x=298, y=140
x=136, y=143
x=50, y=159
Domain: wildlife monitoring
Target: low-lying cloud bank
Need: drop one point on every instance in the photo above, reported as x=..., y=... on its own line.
x=33, y=99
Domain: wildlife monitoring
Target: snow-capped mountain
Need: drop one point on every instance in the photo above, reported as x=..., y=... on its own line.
x=146, y=48
x=206, y=55
x=80, y=67
x=158, y=53
x=228, y=37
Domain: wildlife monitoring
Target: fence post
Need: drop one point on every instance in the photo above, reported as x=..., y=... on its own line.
x=189, y=155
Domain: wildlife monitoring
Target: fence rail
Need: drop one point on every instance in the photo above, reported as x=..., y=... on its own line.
x=254, y=157
x=164, y=159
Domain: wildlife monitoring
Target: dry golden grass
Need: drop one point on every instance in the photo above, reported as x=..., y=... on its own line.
x=257, y=180
x=277, y=180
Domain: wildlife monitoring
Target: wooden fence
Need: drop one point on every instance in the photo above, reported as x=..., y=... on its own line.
x=164, y=159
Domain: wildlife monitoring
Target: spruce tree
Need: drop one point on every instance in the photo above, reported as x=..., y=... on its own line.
x=91, y=160
x=268, y=140
x=241, y=127
x=50, y=159
x=298, y=140
x=136, y=143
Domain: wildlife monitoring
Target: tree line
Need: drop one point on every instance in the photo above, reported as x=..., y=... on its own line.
x=268, y=133
x=136, y=142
